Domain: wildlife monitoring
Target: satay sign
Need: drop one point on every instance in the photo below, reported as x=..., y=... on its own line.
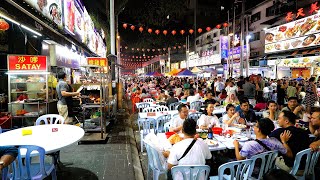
x=27, y=63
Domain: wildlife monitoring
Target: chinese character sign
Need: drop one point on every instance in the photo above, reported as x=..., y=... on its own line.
x=27, y=63
x=96, y=61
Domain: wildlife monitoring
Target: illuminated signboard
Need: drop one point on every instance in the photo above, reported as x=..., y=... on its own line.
x=96, y=61
x=27, y=63
x=51, y=9
x=296, y=34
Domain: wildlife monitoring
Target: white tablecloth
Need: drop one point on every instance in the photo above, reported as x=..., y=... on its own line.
x=43, y=136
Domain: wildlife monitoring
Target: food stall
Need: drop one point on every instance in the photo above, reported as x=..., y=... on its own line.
x=30, y=93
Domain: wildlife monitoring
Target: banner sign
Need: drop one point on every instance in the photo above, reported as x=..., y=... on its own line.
x=27, y=63
x=97, y=61
x=224, y=42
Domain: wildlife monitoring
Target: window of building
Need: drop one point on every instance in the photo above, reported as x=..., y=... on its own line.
x=270, y=11
x=256, y=17
x=255, y=37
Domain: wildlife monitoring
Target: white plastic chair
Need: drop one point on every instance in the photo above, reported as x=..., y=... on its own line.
x=50, y=119
x=149, y=109
x=162, y=108
x=161, y=121
x=148, y=100
x=145, y=127
x=154, y=163
x=311, y=161
x=264, y=161
x=172, y=106
x=238, y=170
x=195, y=116
x=196, y=105
x=194, y=172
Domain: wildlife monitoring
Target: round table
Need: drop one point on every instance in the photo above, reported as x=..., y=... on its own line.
x=51, y=137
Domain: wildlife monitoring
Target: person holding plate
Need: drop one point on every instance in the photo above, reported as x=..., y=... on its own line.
x=208, y=120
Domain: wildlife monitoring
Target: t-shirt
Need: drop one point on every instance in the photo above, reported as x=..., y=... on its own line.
x=252, y=148
x=249, y=90
x=210, y=121
x=196, y=156
x=231, y=90
x=176, y=122
x=62, y=86
x=266, y=114
x=298, y=141
x=226, y=118
x=194, y=98
x=299, y=115
x=250, y=116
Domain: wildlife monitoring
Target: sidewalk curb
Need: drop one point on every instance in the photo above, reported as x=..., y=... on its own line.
x=135, y=156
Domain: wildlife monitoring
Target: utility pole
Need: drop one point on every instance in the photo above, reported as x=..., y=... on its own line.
x=195, y=26
x=247, y=45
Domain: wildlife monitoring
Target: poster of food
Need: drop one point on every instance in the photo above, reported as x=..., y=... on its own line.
x=79, y=22
x=69, y=15
x=295, y=29
x=300, y=42
x=299, y=62
x=52, y=9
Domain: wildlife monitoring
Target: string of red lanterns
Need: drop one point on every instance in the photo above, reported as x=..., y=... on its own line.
x=174, y=32
x=4, y=25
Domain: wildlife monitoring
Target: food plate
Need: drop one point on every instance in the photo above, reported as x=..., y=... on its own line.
x=308, y=40
x=212, y=142
x=240, y=126
x=201, y=130
x=236, y=130
x=241, y=138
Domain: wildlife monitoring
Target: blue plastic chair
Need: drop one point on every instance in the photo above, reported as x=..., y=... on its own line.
x=267, y=160
x=50, y=119
x=146, y=126
x=0, y=130
x=10, y=171
x=311, y=161
x=162, y=108
x=196, y=105
x=28, y=170
x=195, y=116
x=193, y=172
x=161, y=121
x=238, y=170
x=154, y=163
x=149, y=109
x=141, y=106
x=173, y=105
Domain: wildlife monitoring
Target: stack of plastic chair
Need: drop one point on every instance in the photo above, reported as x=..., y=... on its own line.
x=141, y=106
x=238, y=170
x=148, y=100
x=154, y=163
x=193, y=172
x=146, y=126
x=196, y=105
x=28, y=170
x=173, y=105
x=311, y=159
x=149, y=109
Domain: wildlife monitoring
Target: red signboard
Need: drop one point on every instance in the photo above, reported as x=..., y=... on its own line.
x=27, y=63
x=97, y=61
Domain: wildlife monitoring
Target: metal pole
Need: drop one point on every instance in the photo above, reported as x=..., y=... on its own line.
x=247, y=46
x=112, y=28
x=234, y=33
x=169, y=59
x=228, y=60
x=187, y=59
x=241, y=38
x=195, y=25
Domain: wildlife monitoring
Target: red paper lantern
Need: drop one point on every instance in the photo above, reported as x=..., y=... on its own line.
x=225, y=24
x=199, y=30
x=149, y=30
x=132, y=27
x=208, y=28
x=141, y=29
x=3, y=25
x=191, y=31
x=125, y=26
x=182, y=32
x=218, y=26
x=173, y=32
x=165, y=32
x=157, y=31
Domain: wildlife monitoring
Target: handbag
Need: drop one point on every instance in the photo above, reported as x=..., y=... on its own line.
x=169, y=175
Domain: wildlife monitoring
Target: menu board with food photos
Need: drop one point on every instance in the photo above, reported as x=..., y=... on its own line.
x=299, y=62
x=51, y=9
x=293, y=35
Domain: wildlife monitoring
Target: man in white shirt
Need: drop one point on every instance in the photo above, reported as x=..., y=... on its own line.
x=177, y=122
x=193, y=97
x=198, y=153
